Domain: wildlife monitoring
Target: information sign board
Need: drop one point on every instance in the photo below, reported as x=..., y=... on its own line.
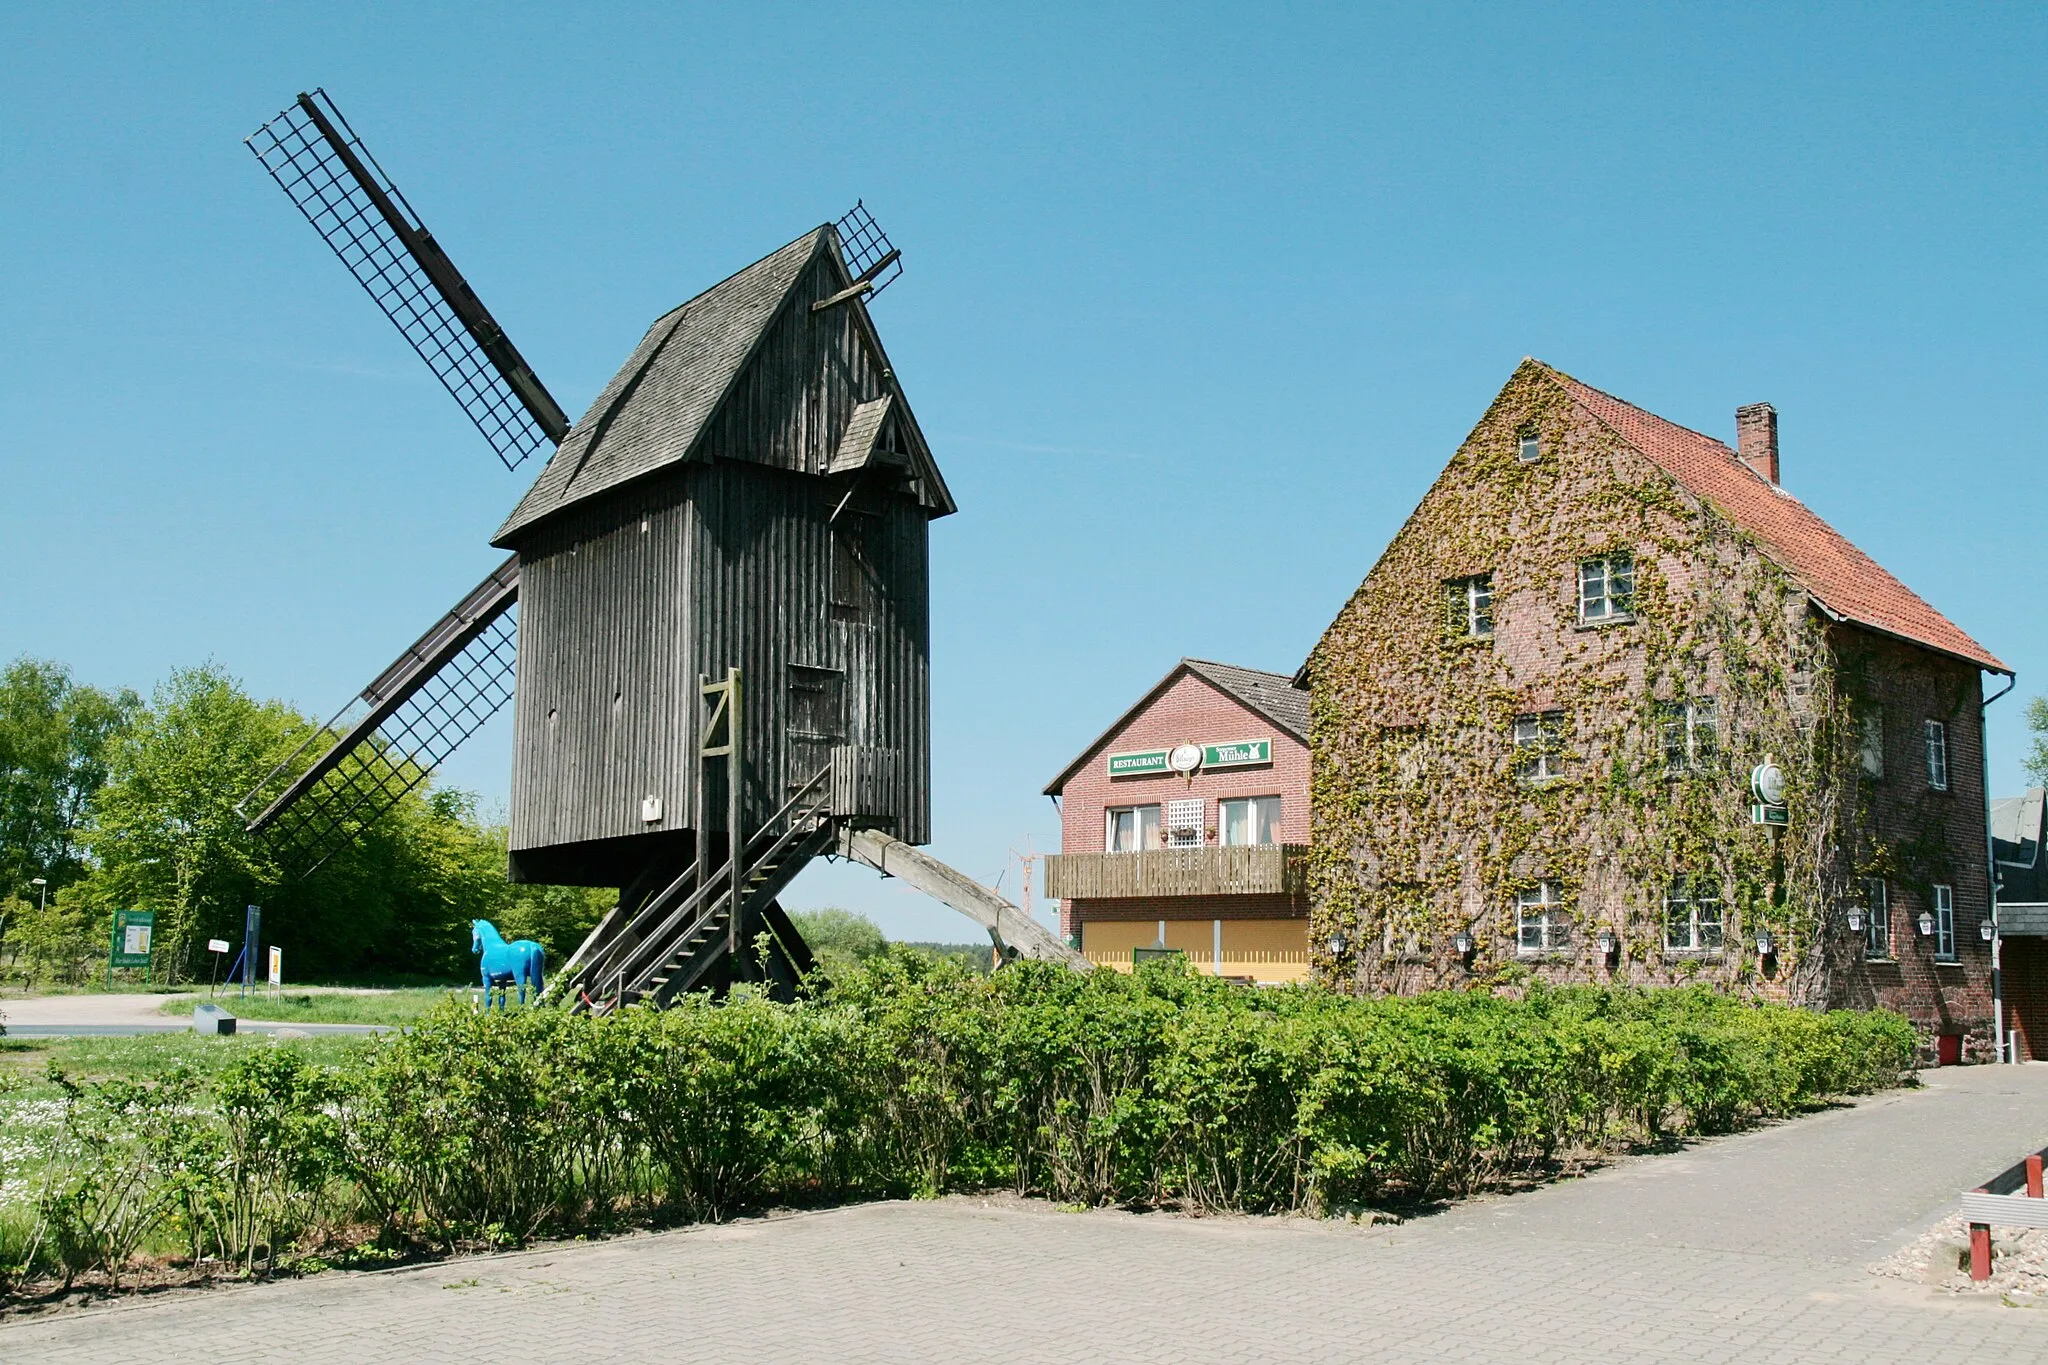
x=132, y=932
x=1137, y=761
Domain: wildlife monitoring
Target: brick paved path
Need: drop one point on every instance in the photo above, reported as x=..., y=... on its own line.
x=1744, y=1249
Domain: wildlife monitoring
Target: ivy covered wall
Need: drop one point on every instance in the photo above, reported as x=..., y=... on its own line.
x=1422, y=827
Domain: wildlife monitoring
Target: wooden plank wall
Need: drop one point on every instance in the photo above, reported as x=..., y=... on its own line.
x=599, y=720
x=728, y=560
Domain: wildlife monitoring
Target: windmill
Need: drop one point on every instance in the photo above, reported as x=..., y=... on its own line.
x=713, y=624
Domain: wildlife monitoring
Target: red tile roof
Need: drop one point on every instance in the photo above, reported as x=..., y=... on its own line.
x=1841, y=577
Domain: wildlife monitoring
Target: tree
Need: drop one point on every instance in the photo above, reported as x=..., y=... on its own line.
x=54, y=740
x=166, y=834
x=2037, y=752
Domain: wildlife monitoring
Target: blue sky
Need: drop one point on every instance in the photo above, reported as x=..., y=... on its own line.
x=1197, y=301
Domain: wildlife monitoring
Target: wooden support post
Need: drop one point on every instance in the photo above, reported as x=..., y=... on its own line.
x=735, y=844
x=1980, y=1251
x=2034, y=1176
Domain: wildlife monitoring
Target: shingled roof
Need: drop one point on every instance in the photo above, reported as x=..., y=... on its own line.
x=663, y=398
x=1846, y=582
x=1272, y=695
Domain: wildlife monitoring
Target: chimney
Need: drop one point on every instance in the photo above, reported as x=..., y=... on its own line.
x=1756, y=438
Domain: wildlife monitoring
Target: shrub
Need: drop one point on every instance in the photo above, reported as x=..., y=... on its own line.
x=910, y=1074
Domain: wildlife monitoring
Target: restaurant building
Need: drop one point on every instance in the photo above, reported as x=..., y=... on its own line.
x=1184, y=825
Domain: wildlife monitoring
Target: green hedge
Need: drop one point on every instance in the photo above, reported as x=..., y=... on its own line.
x=912, y=1076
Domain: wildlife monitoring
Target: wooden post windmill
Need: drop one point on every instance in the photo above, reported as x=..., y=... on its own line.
x=714, y=622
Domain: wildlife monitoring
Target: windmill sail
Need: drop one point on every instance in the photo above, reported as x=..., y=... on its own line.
x=310, y=151
x=389, y=740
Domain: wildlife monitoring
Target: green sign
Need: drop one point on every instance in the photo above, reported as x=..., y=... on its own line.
x=1761, y=814
x=132, y=931
x=1243, y=754
x=1137, y=761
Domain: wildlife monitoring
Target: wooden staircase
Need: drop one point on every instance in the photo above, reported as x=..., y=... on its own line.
x=685, y=937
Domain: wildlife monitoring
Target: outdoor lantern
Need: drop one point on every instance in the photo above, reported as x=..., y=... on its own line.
x=1463, y=943
x=1985, y=929
x=1855, y=920
x=1607, y=943
x=1337, y=942
x=1926, y=924
x=1765, y=946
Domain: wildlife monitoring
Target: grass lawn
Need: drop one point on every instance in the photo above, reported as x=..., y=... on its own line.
x=324, y=1007
x=22, y=1060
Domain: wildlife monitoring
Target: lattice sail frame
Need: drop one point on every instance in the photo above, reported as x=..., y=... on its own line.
x=387, y=742
x=863, y=243
x=313, y=154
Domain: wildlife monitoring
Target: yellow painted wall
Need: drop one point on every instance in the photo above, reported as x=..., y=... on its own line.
x=1267, y=950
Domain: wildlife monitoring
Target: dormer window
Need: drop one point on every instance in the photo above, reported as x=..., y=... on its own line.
x=1529, y=447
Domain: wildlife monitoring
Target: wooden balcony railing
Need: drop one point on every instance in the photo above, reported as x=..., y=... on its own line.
x=1255, y=870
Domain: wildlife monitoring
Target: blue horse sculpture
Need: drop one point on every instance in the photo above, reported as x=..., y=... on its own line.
x=504, y=965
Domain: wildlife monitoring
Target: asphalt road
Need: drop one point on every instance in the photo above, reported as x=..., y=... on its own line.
x=65, y=1016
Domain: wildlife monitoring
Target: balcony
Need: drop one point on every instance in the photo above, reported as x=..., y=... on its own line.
x=1255, y=870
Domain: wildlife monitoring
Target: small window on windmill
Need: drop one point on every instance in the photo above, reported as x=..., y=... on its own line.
x=817, y=702
x=853, y=566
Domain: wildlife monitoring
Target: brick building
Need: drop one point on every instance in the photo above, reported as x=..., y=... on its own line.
x=1539, y=722
x=1183, y=825
x=2018, y=826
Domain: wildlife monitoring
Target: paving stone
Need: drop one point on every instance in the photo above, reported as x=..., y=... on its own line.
x=1748, y=1248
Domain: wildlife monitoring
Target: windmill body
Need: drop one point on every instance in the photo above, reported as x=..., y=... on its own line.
x=751, y=490
x=721, y=591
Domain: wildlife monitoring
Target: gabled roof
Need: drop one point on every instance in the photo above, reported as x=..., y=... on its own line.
x=1846, y=582
x=662, y=400
x=1272, y=695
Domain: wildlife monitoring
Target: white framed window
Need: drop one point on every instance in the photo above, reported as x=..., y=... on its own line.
x=1184, y=823
x=1692, y=914
x=1937, y=755
x=1528, y=447
x=1870, y=739
x=1541, y=924
x=1607, y=589
x=1131, y=829
x=1944, y=924
x=1877, y=922
x=1691, y=732
x=1539, y=746
x=1468, y=606
x=1248, y=820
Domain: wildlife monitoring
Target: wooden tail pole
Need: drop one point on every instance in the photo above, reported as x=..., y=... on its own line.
x=1980, y=1251
x=2034, y=1176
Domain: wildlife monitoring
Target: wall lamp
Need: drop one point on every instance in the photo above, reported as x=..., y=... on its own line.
x=1609, y=946
x=1855, y=920
x=1926, y=924
x=1985, y=929
x=1338, y=943
x=1463, y=945
x=1765, y=944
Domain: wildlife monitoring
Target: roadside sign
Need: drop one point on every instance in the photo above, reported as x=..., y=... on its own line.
x=132, y=932
x=216, y=945
x=276, y=965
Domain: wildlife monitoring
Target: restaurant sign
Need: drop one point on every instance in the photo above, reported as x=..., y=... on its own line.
x=1186, y=758
x=1243, y=754
x=1138, y=761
